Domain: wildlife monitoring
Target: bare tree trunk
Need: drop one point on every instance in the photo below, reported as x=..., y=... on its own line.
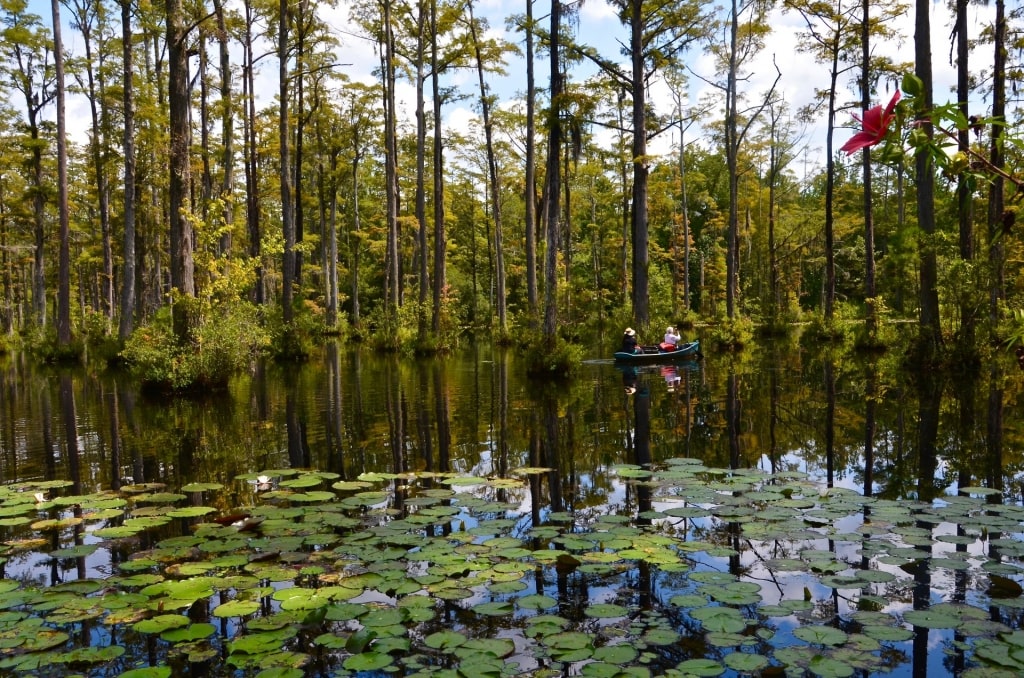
x=998, y=223
x=392, y=282
x=492, y=171
x=440, y=239
x=227, y=127
x=871, y=319
x=252, y=202
x=285, y=173
x=964, y=199
x=931, y=331
x=553, y=178
x=530, y=197
x=641, y=256
x=182, y=271
x=64, y=265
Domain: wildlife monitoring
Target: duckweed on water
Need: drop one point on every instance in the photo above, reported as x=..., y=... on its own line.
x=715, y=571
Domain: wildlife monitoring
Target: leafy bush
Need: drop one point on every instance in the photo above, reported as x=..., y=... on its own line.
x=557, y=359
x=43, y=345
x=225, y=339
x=732, y=334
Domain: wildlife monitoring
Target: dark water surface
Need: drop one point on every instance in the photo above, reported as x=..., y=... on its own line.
x=731, y=458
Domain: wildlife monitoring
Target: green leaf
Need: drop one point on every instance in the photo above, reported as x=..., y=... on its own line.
x=161, y=623
x=444, y=640
x=494, y=609
x=821, y=635
x=147, y=672
x=706, y=668
x=606, y=611
x=745, y=662
x=368, y=661
x=236, y=608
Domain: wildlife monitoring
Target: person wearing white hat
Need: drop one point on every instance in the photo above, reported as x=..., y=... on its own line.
x=629, y=341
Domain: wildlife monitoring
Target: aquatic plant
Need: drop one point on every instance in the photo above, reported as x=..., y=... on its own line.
x=704, y=570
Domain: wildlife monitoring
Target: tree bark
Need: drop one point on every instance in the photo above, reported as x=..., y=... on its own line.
x=285, y=170
x=553, y=178
x=182, y=268
x=492, y=172
x=64, y=259
x=530, y=178
x=639, y=215
x=931, y=332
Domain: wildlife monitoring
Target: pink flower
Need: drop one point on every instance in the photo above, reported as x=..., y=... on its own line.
x=875, y=124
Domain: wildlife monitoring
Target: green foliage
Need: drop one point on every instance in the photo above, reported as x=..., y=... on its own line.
x=96, y=333
x=297, y=340
x=225, y=339
x=1011, y=330
x=879, y=335
x=546, y=359
x=393, y=329
x=43, y=345
x=731, y=335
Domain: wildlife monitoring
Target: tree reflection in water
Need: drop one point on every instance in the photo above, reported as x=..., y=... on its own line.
x=746, y=512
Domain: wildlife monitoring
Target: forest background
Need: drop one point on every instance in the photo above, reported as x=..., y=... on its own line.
x=243, y=178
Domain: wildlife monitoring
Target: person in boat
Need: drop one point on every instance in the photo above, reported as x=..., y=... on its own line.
x=671, y=341
x=629, y=341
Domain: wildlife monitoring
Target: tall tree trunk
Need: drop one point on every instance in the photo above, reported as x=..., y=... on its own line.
x=38, y=218
x=392, y=282
x=355, y=250
x=830, y=188
x=440, y=239
x=998, y=224
x=870, y=319
x=421, y=162
x=553, y=191
x=775, y=301
x=931, y=331
x=731, y=161
x=964, y=199
x=227, y=127
x=64, y=265
x=639, y=226
x=85, y=15
x=492, y=172
x=182, y=268
x=301, y=115
x=530, y=191
x=285, y=173
x=252, y=201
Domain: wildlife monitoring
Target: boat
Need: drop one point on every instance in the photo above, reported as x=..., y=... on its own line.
x=655, y=354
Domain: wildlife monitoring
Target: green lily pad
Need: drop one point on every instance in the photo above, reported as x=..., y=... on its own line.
x=368, y=661
x=444, y=640
x=236, y=608
x=494, y=609
x=745, y=662
x=147, y=672
x=189, y=634
x=536, y=602
x=80, y=551
x=161, y=623
x=720, y=619
x=606, y=611
x=705, y=668
x=821, y=635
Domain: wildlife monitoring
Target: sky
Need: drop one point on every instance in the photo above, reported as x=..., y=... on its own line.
x=599, y=27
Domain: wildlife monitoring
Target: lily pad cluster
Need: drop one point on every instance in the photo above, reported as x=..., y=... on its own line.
x=700, y=572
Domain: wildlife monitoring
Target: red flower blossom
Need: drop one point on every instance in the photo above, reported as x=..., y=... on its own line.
x=875, y=124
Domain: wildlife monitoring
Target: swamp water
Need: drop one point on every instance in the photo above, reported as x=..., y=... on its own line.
x=775, y=513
